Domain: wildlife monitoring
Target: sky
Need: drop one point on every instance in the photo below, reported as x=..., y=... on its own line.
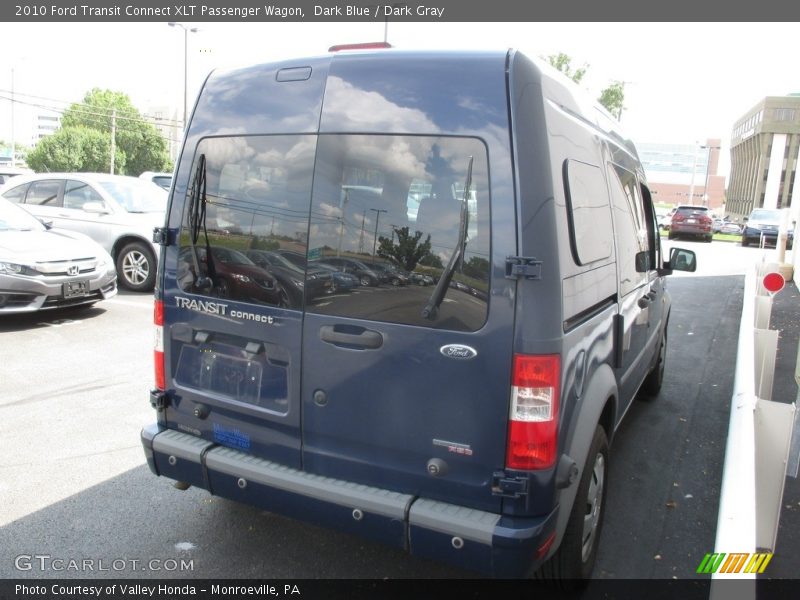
x=684, y=82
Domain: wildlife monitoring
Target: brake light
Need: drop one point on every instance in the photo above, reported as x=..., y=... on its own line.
x=533, y=419
x=158, y=346
x=360, y=46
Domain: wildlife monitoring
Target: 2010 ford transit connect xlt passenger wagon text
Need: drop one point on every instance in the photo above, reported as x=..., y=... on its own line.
x=466, y=421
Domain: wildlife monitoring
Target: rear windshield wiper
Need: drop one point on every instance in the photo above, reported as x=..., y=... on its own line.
x=197, y=219
x=431, y=309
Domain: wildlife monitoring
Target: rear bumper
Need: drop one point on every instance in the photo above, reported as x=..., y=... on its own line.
x=480, y=541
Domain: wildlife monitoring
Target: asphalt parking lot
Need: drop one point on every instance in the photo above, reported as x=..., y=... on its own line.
x=74, y=484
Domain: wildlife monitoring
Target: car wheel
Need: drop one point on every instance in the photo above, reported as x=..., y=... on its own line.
x=745, y=242
x=670, y=235
x=222, y=289
x=709, y=239
x=365, y=280
x=652, y=383
x=136, y=267
x=572, y=563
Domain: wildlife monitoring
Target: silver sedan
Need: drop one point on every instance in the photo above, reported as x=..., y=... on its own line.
x=42, y=268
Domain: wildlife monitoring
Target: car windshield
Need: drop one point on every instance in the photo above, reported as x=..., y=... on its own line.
x=137, y=196
x=763, y=214
x=14, y=218
x=230, y=256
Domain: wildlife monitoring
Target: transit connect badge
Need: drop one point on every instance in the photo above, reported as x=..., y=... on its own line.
x=458, y=351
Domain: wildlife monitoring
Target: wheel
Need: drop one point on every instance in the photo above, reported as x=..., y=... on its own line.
x=365, y=280
x=222, y=289
x=571, y=565
x=652, y=383
x=136, y=267
x=709, y=238
x=745, y=242
x=670, y=235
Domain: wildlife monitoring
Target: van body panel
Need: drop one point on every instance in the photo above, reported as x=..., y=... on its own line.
x=384, y=410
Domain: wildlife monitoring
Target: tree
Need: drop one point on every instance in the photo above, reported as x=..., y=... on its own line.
x=408, y=251
x=141, y=143
x=74, y=149
x=612, y=97
x=562, y=62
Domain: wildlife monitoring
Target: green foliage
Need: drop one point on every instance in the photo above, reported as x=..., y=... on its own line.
x=74, y=149
x=408, y=250
x=140, y=142
x=613, y=98
x=562, y=62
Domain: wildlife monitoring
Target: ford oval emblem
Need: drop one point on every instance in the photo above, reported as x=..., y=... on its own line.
x=458, y=351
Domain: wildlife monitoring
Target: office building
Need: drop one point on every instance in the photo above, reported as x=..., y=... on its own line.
x=764, y=148
x=684, y=173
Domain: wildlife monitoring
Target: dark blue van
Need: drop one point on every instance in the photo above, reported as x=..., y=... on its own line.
x=467, y=421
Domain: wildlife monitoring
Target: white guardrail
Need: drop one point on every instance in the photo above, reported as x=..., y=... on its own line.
x=756, y=453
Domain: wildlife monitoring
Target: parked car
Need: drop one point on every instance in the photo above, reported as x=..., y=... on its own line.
x=730, y=227
x=694, y=221
x=764, y=223
x=421, y=278
x=340, y=281
x=163, y=180
x=42, y=267
x=468, y=424
x=366, y=276
x=314, y=281
x=664, y=217
x=7, y=172
x=117, y=212
x=388, y=273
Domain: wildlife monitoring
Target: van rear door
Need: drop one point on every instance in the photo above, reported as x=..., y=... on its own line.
x=400, y=385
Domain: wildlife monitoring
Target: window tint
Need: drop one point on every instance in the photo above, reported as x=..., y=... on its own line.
x=589, y=213
x=630, y=227
x=78, y=193
x=44, y=193
x=386, y=209
x=16, y=194
x=258, y=190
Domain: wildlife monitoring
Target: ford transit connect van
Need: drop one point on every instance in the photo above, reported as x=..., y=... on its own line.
x=466, y=421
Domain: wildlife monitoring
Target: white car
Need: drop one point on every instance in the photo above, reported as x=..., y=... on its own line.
x=117, y=212
x=43, y=268
x=163, y=180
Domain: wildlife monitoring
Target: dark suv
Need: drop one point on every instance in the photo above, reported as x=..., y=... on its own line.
x=467, y=421
x=692, y=221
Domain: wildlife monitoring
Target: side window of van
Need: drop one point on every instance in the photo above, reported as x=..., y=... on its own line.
x=388, y=209
x=257, y=190
x=630, y=226
x=591, y=232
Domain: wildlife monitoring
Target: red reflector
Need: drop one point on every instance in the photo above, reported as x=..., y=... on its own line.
x=158, y=344
x=533, y=418
x=360, y=46
x=543, y=549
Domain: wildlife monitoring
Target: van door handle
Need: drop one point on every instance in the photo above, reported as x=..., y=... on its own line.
x=365, y=339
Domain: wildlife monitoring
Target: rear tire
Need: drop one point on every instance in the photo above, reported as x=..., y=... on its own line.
x=571, y=566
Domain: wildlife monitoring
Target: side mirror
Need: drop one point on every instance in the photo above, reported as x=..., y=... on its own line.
x=95, y=208
x=682, y=260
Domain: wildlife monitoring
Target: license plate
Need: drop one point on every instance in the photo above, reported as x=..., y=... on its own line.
x=74, y=289
x=691, y=220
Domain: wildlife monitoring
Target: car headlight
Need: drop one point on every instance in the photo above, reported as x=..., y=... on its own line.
x=242, y=278
x=9, y=268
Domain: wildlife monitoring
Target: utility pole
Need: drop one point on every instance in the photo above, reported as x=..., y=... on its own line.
x=113, y=137
x=361, y=239
x=694, y=167
x=708, y=162
x=378, y=212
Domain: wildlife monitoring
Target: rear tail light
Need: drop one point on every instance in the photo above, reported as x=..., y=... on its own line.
x=533, y=419
x=158, y=346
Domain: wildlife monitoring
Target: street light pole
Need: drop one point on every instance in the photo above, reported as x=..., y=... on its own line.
x=186, y=32
x=694, y=167
x=708, y=162
x=378, y=212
